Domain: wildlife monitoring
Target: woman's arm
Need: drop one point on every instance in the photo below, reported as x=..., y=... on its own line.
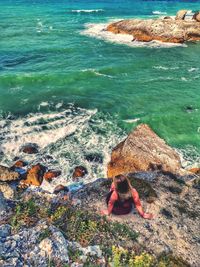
x=111, y=203
x=138, y=205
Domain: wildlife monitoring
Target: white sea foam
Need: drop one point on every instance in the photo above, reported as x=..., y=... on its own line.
x=99, y=31
x=165, y=68
x=87, y=10
x=193, y=69
x=157, y=12
x=184, y=79
x=132, y=120
x=67, y=137
x=97, y=73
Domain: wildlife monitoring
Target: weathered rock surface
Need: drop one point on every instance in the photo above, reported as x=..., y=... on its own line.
x=197, y=16
x=7, y=175
x=165, y=30
x=7, y=190
x=181, y=15
x=26, y=247
x=175, y=228
x=143, y=150
x=35, y=175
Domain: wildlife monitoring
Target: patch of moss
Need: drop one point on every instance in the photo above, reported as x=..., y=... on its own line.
x=24, y=214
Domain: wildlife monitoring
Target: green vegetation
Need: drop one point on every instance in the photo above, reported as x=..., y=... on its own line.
x=24, y=214
x=88, y=228
x=46, y=233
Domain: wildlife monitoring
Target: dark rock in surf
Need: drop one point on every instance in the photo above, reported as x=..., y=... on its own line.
x=79, y=171
x=48, y=176
x=94, y=158
x=31, y=148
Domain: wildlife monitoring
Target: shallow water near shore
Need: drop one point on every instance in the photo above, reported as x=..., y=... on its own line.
x=75, y=94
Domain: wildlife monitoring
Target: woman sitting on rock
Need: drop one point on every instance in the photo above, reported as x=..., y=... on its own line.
x=121, y=198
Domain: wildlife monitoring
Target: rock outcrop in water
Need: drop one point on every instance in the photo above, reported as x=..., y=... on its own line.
x=143, y=150
x=166, y=30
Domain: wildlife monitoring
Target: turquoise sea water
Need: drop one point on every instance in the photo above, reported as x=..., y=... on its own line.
x=73, y=93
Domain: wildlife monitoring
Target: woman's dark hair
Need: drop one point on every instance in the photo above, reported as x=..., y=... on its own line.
x=123, y=187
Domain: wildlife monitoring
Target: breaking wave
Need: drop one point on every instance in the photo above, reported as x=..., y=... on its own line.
x=87, y=10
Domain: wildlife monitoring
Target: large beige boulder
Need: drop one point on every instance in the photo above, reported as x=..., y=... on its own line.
x=143, y=150
x=180, y=15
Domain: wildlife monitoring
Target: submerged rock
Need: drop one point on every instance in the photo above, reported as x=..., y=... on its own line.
x=165, y=30
x=79, y=171
x=31, y=148
x=7, y=175
x=143, y=150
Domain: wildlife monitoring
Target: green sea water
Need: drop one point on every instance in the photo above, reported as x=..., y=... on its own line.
x=48, y=65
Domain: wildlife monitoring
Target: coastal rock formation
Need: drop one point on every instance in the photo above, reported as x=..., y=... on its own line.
x=7, y=175
x=165, y=30
x=143, y=150
x=175, y=227
x=197, y=16
x=35, y=175
x=181, y=15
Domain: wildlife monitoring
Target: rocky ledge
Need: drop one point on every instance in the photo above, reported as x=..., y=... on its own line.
x=168, y=29
x=66, y=228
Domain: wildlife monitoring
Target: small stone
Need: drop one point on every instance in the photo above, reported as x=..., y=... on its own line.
x=94, y=158
x=79, y=171
x=60, y=188
x=48, y=176
x=30, y=148
x=20, y=164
